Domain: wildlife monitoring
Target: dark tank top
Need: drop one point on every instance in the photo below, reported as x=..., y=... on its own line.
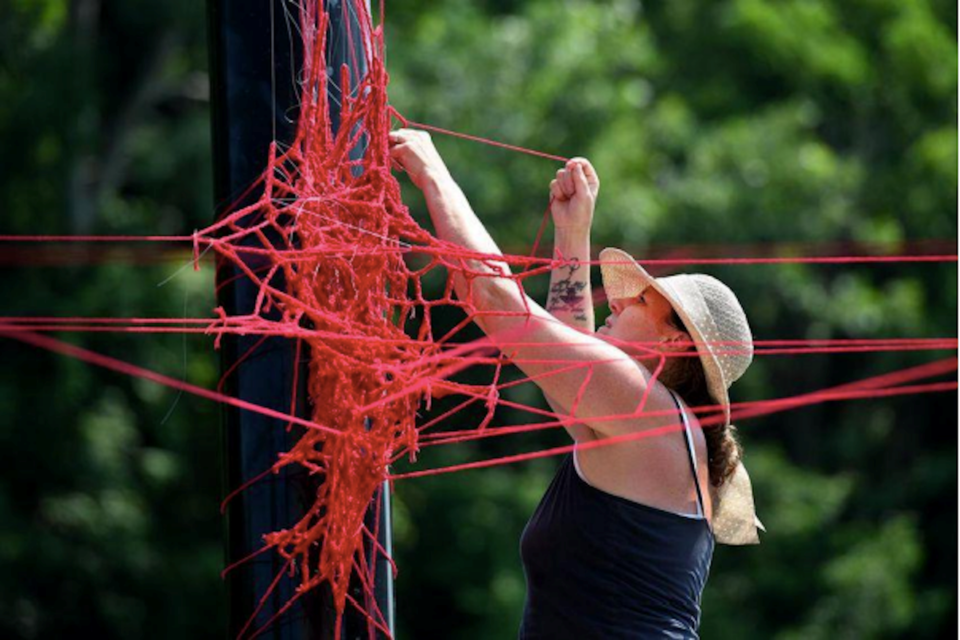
x=602, y=566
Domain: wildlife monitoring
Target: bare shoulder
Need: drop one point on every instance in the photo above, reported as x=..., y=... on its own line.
x=644, y=437
x=628, y=404
x=654, y=469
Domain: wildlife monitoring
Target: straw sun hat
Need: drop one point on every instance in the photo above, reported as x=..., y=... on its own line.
x=713, y=317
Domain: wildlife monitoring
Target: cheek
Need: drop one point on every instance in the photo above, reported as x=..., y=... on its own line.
x=630, y=327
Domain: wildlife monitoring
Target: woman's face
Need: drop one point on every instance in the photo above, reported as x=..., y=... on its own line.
x=642, y=323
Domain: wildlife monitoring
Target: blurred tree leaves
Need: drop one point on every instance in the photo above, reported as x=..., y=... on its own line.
x=108, y=512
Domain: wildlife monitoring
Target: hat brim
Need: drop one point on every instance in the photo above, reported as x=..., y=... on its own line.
x=623, y=277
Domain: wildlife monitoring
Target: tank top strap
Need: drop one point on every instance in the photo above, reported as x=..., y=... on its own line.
x=693, y=454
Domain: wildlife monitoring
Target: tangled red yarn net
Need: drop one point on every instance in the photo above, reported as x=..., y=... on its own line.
x=325, y=244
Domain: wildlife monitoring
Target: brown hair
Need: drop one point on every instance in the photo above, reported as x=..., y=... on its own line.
x=685, y=375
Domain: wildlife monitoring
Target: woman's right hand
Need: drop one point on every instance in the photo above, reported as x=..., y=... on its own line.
x=573, y=195
x=413, y=151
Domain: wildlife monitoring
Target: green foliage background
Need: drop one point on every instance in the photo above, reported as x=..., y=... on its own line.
x=724, y=123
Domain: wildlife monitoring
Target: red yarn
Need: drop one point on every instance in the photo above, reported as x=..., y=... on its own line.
x=335, y=230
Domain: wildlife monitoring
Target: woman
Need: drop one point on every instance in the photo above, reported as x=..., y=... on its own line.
x=621, y=544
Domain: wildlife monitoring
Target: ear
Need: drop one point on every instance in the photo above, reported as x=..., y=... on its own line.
x=675, y=340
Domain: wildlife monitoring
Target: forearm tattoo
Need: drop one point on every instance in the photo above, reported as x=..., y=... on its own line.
x=566, y=294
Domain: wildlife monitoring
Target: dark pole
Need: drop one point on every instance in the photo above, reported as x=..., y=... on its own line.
x=254, y=64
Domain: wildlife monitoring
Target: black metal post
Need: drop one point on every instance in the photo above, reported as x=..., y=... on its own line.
x=254, y=66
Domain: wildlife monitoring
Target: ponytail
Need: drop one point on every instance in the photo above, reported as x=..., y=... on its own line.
x=724, y=452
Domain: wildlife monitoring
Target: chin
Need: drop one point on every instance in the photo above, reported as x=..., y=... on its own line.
x=603, y=333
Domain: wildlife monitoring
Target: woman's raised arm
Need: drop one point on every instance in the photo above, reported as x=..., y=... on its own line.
x=573, y=195
x=590, y=379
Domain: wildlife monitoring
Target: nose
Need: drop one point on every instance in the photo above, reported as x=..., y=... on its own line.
x=617, y=305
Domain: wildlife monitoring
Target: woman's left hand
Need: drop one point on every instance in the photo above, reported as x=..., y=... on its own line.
x=573, y=195
x=414, y=152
